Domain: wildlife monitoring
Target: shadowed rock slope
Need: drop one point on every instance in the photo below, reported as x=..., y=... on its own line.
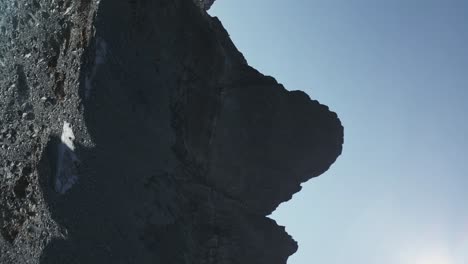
x=135, y=132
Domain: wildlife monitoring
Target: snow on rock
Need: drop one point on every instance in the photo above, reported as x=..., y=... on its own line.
x=66, y=174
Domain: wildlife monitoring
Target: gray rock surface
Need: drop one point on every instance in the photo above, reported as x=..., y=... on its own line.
x=171, y=148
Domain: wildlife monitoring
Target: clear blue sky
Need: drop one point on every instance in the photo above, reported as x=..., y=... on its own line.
x=396, y=72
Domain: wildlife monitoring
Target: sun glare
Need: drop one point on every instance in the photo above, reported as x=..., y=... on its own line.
x=434, y=255
x=433, y=259
x=431, y=253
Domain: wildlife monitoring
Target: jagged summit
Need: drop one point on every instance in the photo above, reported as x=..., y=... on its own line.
x=135, y=132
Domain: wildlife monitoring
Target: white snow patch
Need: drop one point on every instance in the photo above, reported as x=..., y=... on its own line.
x=99, y=59
x=67, y=136
x=66, y=174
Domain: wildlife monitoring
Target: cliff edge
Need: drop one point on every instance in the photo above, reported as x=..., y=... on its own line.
x=135, y=132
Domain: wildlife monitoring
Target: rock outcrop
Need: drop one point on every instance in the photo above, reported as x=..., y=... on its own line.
x=135, y=132
x=204, y=4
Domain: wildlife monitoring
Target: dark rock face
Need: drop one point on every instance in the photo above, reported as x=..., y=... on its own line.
x=135, y=132
x=204, y=4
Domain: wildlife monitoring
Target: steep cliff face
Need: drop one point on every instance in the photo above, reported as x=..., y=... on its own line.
x=135, y=132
